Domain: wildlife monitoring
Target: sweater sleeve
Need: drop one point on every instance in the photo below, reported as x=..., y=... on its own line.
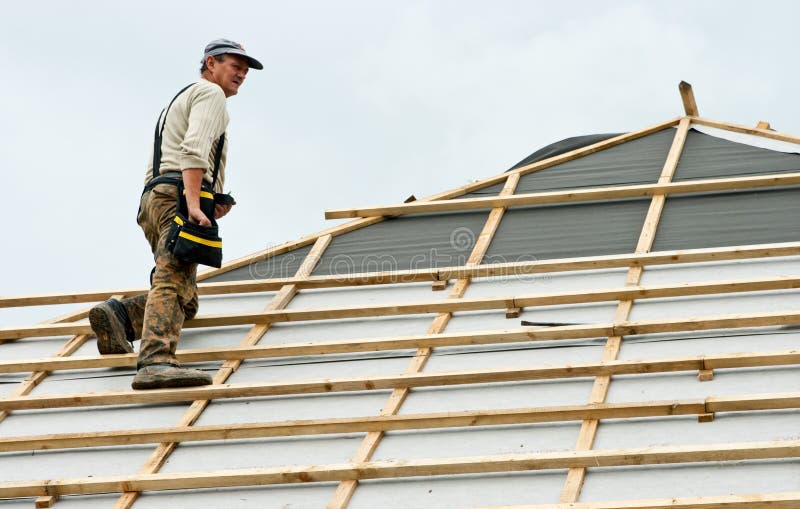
x=206, y=124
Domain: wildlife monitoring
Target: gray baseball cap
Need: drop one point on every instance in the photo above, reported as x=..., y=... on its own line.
x=226, y=46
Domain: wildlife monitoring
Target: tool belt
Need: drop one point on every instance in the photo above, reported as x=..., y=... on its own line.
x=187, y=241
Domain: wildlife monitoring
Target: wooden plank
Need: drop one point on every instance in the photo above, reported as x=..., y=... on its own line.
x=279, y=301
x=407, y=468
x=429, y=340
x=687, y=97
x=443, y=273
x=766, y=133
x=446, y=305
x=608, y=366
x=787, y=500
x=382, y=382
x=574, y=195
x=573, y=484
x=390, y=422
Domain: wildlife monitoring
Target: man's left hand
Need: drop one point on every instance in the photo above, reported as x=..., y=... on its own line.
x=221, y=210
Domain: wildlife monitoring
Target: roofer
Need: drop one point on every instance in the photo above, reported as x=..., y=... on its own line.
x=181, y=201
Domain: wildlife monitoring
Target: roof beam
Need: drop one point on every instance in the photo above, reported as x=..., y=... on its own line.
x=405, y=468
x=737, y=403
x=687, y=96
x=574, y=195
x=756, y=131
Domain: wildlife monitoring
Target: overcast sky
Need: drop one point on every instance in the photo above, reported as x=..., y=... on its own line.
x=360, y=103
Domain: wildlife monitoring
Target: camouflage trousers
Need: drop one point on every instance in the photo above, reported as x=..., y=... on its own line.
x=157, y=317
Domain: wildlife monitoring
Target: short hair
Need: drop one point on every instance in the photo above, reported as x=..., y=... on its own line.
x=218, y=58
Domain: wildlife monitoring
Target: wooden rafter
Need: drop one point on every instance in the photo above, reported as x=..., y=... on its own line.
x=756, y=131
x=408, y=468
x=575, y=476
x=737, y=403
x=576, y=195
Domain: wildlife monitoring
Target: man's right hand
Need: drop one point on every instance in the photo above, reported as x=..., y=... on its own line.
x=196, y=216
x=192, y=180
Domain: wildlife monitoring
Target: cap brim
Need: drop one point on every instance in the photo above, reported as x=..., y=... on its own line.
x=251, y=62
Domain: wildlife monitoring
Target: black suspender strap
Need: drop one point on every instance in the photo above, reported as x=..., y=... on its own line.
x=160, y=131
x=217, y=159
x=157, y=140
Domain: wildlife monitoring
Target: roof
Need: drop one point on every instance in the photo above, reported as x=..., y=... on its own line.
x=611, y=324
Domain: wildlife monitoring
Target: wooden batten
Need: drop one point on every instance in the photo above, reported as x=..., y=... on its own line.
x=388, y=422
x=406, y=380
x=407, y=468
x=431, y=275
x=441, y=306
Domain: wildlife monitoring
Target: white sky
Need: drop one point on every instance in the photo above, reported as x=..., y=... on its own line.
x=360, y=103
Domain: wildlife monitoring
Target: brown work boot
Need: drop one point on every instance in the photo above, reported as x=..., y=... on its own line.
x=162, y=376
x=109, y=320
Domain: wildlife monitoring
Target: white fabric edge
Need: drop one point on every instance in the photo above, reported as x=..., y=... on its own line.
x=749, y=139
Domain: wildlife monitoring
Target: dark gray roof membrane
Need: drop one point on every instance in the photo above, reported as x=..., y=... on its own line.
x=638, y=161
x=705, y=156
x=566, y=231
x=283, y=265
x=552, y=150
x=403, y=243
x=492, y=190
x=729, y=219
x=562, y=147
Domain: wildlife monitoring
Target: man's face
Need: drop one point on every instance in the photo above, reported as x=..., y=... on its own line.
x=228, y=74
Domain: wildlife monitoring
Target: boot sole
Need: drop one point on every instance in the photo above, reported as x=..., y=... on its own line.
x=100, y=322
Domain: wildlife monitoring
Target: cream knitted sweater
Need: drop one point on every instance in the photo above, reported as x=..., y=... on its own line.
x=194, y=124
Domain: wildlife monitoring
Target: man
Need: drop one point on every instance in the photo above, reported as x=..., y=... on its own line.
x=189, y=148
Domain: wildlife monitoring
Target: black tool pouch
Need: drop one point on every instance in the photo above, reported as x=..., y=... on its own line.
x=191, y=242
